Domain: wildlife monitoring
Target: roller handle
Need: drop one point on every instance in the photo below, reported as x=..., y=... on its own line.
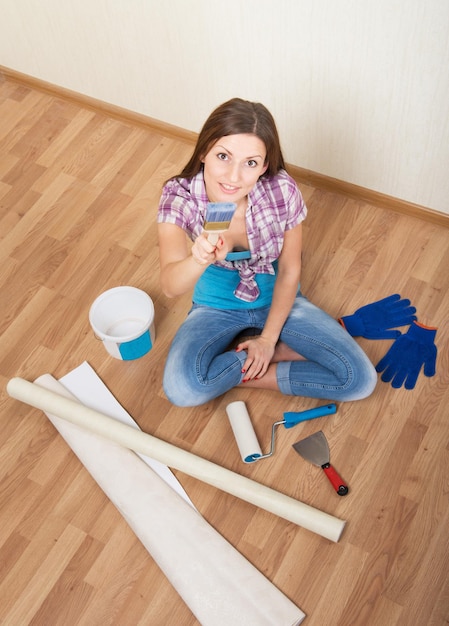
x=337, y=482
x=293, y=418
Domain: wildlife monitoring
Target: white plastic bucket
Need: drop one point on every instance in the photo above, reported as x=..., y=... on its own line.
x=123, y=318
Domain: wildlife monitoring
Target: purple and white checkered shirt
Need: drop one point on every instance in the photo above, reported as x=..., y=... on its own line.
x=274, y=206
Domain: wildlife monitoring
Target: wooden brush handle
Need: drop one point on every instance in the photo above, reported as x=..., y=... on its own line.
x=213, y=238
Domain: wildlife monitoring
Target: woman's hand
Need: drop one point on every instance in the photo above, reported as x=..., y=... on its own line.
x=206, y=253
x=260, y=352
x=181, y=265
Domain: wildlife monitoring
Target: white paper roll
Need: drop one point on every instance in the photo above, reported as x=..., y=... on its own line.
x=215, y=581
x=243, y=431
x=292, y=510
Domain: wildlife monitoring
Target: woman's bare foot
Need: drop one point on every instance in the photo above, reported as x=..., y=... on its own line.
x=269, y=380
x=283, y=353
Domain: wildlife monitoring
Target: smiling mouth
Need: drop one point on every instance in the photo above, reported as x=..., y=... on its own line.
x=229, y=188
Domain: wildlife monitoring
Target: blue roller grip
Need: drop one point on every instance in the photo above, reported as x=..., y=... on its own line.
x=408, y=354
x=295, y=417
x=378, y=319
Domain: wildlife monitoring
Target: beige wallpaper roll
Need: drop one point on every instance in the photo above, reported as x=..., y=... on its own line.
x=177, y=458
x=215, y=581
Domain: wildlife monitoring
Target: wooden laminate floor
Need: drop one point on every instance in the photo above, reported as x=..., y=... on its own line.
x=78, y=198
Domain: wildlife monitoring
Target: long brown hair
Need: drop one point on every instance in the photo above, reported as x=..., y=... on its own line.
x=235, y=117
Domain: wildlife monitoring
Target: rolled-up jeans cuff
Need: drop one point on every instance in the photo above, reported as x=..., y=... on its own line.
x=242, y=356
x=283, y=377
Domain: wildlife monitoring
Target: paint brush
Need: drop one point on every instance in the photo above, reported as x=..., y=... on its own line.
x=218, y=218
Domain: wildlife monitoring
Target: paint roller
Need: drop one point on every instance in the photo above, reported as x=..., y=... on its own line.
x=245, y=436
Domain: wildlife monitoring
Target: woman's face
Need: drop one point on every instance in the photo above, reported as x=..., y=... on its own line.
x=232, y=167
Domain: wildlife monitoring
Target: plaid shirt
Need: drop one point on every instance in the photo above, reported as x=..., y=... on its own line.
x=275, y=205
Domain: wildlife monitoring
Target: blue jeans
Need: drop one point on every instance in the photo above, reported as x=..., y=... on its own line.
x=201, y=366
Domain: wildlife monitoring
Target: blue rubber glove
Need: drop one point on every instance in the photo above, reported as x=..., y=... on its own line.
x=407, y=355
x=375, y=321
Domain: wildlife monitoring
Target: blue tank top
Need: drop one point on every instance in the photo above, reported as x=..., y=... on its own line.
x=216, y=289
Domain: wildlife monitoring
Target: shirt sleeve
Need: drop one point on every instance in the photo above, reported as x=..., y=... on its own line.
x=178, y=207
x=297, y=210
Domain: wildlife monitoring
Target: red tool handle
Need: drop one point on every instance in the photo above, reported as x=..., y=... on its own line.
x=337, y=483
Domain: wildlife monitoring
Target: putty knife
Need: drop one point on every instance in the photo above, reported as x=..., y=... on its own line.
x=316, y=450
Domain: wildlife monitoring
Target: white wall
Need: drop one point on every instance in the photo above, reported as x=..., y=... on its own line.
x=359, y=88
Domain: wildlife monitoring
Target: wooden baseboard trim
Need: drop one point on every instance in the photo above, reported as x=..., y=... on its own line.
x=120, y=113
x=375, y=198
x=301, y=175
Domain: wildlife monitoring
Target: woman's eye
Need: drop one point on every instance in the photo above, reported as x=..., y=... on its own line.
x=252, y=163
x=222, y=156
